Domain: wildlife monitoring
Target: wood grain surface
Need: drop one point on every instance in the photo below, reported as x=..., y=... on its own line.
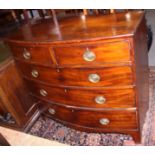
x=118, y=45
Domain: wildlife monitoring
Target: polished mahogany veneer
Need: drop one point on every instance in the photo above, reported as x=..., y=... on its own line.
x=96, y=119
x=115, y=98
x=28, y=53
x=109, y=76
x=88, y=72
x=104, y=53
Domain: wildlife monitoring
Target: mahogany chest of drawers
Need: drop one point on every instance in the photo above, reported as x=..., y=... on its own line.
x=88, y=72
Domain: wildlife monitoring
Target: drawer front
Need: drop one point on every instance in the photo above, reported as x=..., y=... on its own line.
x=114, y=120
x=98, y=77
x=93, y=54
x=92, y=98
x=39, y=55
x=110, y=76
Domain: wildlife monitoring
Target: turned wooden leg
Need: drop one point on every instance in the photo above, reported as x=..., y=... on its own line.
x=85, y=11
x=96, y=11
x=41, y=13
x=14, y=15
x=25, y=14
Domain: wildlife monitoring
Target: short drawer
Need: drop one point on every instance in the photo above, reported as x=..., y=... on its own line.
x=111, y=120
x=97, y=77
x=95, y=54
x=36, y=54
x=89, y=98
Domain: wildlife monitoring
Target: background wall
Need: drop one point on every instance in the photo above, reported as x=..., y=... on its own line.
x=150, y=17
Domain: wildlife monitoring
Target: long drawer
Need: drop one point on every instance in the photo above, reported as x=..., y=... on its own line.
x=115, y=119
x=33, y=54
x=93, y=54
x=90, y=98
x=94, y=77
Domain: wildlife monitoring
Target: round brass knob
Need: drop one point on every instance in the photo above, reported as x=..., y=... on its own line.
x=89, y=55
x=43, y=92
x=100, y=99
x=94, y=78
x=35, y=73
x=51, y=111
x=104, y=121
x=26, y=54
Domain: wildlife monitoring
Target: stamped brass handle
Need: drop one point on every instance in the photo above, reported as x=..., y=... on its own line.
x=89, y=55
x=100, y=99
x=26, y=54
x=104, y=121
x=35, y=73
x=43, y=92
x=94, y=78
x=51, y=111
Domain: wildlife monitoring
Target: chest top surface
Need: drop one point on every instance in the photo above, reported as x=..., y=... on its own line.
x=78, y=28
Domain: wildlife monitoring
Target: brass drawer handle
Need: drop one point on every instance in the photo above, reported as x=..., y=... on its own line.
x=26, y=54
x=100, y=99
x=94, y=78
x=35, y=73
x=51, y=111
x=89, y=55
x=104, y=121
x=43, y=92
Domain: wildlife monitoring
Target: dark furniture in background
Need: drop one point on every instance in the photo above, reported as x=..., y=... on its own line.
x=17, y=109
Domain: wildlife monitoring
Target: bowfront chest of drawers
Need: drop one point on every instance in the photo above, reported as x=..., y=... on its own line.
x=88, y=72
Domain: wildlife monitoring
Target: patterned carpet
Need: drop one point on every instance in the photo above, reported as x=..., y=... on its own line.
x=52, y=130
x=148, y=134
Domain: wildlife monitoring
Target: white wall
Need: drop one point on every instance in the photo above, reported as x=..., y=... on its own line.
x=150, y=17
